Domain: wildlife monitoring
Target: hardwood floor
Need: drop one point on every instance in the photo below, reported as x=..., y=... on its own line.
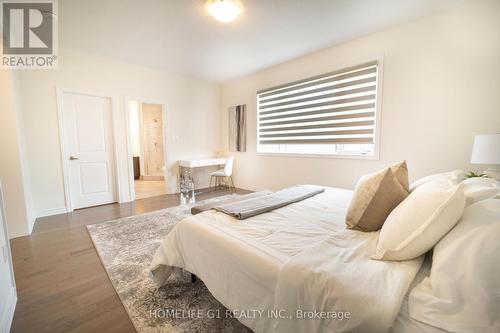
x=149, y=188
x=61, y=284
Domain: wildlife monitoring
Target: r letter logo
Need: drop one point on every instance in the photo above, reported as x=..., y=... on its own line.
x=29, y=34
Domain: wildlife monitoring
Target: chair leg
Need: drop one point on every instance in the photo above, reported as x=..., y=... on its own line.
x=232, y=183
x=210, y=184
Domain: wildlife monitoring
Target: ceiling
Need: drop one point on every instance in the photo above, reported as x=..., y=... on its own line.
x=178, y=35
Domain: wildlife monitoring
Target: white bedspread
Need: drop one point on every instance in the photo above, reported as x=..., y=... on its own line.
x=404, y=323
x=338, y=278
x=297, y=257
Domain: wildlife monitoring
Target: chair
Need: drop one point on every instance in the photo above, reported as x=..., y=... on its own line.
x=224, y=174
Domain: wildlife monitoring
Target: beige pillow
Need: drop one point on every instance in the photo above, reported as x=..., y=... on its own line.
x=420, y=221
x=375, y=196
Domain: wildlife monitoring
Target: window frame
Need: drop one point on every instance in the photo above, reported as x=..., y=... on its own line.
x=378, y=117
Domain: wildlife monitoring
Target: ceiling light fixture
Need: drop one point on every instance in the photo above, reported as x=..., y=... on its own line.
x=224, y=10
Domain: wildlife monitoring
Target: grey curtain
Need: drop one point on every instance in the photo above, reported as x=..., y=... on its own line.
x=238, y=128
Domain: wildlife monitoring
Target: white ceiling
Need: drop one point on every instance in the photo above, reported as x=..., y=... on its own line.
x=179, y=36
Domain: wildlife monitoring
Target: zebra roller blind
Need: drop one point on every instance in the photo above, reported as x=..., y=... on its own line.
x=338, y=107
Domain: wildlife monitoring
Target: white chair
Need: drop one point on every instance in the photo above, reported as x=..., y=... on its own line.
x=224, y=174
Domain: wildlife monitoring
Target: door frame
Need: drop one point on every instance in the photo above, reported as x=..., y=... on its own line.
x=64, y=161
x=166, y=149
x=7, y=315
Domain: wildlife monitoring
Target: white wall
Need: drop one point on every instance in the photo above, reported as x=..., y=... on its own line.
x=13, y=166
x=192, y=116
x=134, y=123
x=440, y=88
x=23, y=154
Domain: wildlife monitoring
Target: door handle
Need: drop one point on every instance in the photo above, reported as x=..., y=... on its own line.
x=72, y=158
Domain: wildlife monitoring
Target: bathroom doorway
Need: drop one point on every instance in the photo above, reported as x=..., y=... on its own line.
x=147, y=141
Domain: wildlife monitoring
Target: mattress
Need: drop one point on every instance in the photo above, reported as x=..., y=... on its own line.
x=246, y=257
x=241, y=261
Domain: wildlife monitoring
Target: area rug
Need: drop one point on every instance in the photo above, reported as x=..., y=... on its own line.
x=126, y=247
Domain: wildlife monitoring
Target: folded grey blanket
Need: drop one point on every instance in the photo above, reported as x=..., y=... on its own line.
x=231, y=199
x=256, y=206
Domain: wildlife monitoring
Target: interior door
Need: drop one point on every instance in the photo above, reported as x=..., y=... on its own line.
x=7, y=283
x=152, y=123
x=87, y=122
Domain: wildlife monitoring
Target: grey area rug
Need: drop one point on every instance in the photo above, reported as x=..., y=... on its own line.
x=126, y=247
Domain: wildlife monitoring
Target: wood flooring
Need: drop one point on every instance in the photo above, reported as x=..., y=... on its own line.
x=61, y=283
x=149, y=188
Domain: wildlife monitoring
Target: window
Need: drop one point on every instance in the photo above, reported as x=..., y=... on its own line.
x=330, y=114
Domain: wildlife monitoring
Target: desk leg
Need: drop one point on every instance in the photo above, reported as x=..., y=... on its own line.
x=188, y=172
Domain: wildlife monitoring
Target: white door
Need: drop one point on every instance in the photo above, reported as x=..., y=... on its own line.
x=7, y=283
x=89, y=149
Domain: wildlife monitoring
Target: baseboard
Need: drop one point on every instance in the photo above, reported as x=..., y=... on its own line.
x=51, y=211
x=8, y=313
x=31, y=224
x=252, y=188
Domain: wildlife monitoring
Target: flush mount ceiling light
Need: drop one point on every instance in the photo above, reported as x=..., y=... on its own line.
x=224, y=10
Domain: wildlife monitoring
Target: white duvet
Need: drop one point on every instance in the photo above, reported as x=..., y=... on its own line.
x=296, y=261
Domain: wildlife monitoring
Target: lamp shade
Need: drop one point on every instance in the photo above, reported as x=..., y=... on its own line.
x=486, y=149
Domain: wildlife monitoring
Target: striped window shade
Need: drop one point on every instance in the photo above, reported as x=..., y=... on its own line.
x=334, y=108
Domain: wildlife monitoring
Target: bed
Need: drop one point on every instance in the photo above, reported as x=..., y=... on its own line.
x=403, y=322
x=277, y=262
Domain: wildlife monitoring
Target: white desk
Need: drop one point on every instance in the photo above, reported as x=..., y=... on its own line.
x=202, y=162
x=199, y=163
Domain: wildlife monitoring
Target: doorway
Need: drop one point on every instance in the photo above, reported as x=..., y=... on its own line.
x=147, y=140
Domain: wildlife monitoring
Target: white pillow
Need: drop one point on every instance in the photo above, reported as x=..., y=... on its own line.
x=452, y=177
x=462, y=293
x=480, y=188
x=420, y=221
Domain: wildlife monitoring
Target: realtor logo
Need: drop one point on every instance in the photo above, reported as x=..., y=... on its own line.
x=29, y=38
